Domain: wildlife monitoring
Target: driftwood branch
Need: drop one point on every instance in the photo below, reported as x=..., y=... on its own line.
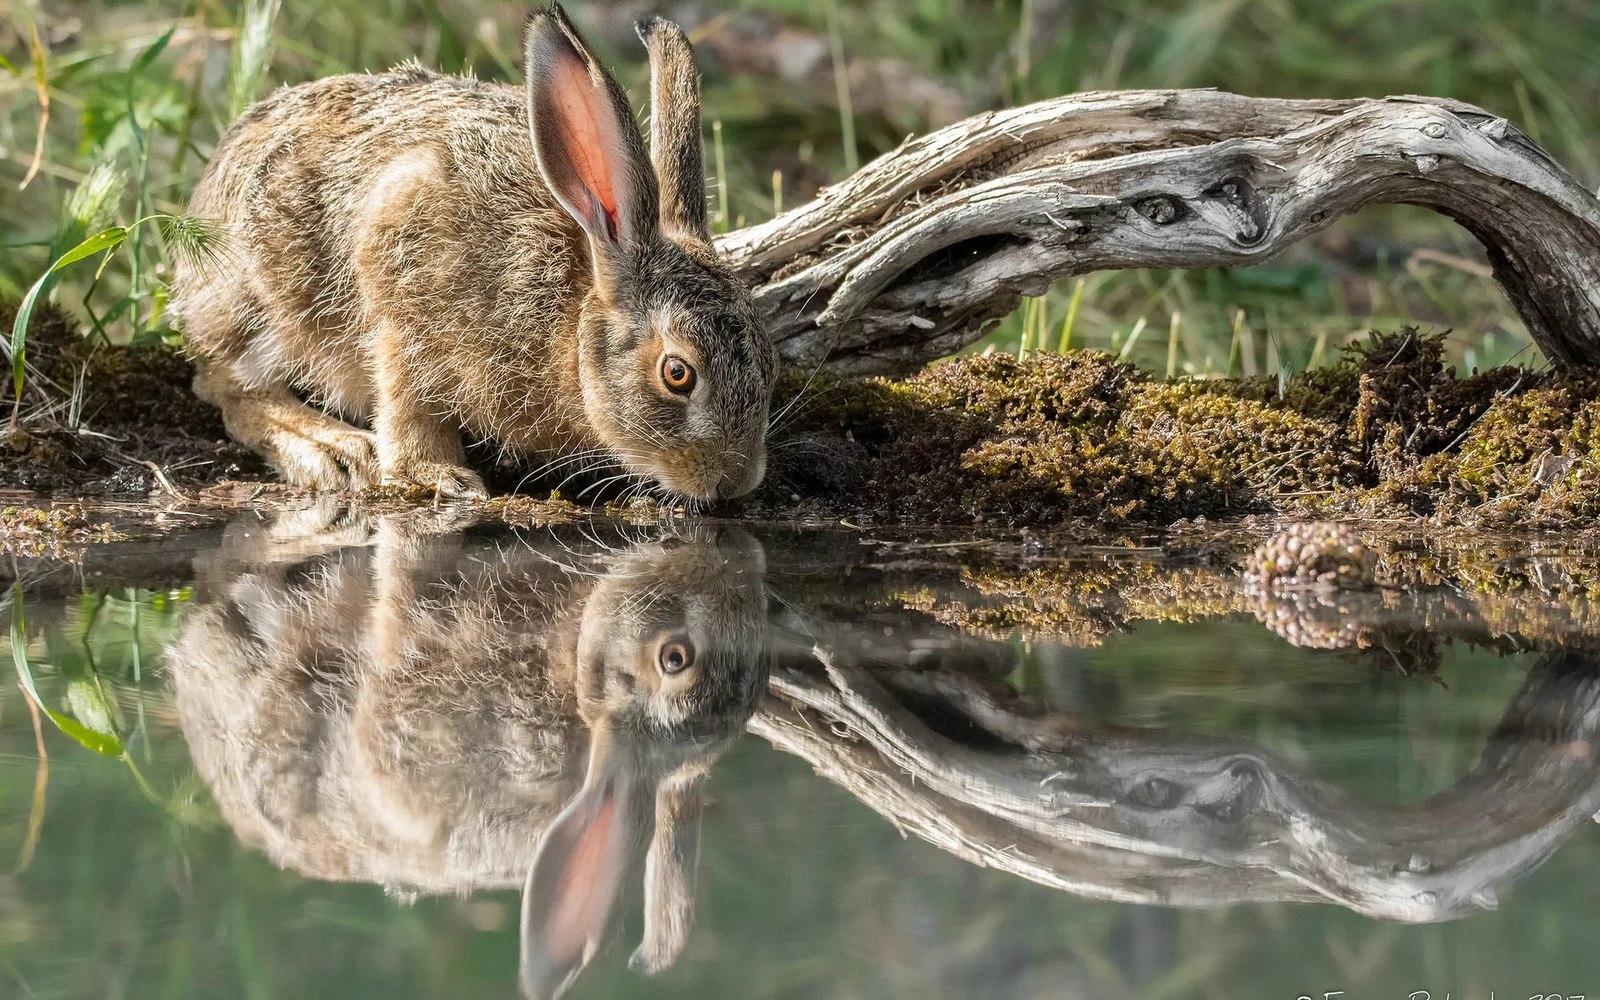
x=912, y=256
x=1147, y=816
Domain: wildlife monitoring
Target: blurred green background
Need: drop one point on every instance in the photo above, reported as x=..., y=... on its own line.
x=797, y=93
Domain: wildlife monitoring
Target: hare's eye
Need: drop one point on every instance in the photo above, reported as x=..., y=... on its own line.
x=677, y=374
x=675, y=656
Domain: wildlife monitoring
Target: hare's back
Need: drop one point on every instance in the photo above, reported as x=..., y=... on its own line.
x=408, y=186
x=312, y=154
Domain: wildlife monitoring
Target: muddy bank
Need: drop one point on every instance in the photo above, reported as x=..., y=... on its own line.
x=1390, y=433
x=102, y=421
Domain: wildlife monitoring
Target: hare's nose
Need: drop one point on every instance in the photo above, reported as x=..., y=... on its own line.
x=738, y=481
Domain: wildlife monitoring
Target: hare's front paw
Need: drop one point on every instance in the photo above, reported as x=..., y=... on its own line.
x=444, y=478
x=326, y=455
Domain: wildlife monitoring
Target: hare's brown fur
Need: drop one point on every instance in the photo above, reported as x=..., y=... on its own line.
x=342, y=263
x=398, y=256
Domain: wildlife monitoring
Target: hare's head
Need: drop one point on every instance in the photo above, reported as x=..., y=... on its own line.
x=670, y=664
x=674, y=364
x=671, y=637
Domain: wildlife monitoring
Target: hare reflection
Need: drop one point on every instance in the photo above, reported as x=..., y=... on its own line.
x=437, y=716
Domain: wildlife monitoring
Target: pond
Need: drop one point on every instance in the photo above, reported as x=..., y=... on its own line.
x=352, y=756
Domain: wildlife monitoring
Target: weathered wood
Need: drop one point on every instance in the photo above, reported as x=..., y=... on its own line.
x=912, y=256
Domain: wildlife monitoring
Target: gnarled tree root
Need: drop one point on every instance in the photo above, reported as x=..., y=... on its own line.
x=912, y=256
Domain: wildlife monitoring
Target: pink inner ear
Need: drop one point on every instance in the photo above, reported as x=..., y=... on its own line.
x=582, y=898
x=579, y=106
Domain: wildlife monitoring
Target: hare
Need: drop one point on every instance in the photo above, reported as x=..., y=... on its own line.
x=439, y=716
x=436, y=256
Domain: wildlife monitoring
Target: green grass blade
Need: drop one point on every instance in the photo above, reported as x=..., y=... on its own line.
x=1064, y=341
x=41, y=65
x=1133, y=338
x=724, y=221
x=150, y=54
x=106, y=744
x=19, y=336
x=1236, y=346
x=1172, y=345
x=106, y=239
x=841, y=82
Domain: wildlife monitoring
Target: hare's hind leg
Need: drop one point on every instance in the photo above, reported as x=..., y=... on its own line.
x=307, y=447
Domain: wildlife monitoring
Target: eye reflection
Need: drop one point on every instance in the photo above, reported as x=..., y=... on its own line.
x=676, y=655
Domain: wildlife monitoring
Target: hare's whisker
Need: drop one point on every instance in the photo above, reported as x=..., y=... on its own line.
x=601, y=483
x=583, y=471
x=773, y=421
x=563, y=461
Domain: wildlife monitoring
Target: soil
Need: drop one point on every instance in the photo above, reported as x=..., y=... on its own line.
x=104, y=421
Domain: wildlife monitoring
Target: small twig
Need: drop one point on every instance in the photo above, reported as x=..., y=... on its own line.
x=165, y=483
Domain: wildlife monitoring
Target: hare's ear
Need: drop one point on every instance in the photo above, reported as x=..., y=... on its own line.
x=585, y=139
x=669, y=872
x=576, y=874
x=675, y=142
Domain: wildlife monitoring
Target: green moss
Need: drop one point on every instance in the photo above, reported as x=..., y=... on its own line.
x=1078, y=435
x=1390, y=431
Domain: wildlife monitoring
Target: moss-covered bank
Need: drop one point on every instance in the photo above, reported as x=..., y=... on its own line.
x=1389, y=432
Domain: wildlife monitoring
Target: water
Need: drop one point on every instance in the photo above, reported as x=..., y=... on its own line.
x=395, y=759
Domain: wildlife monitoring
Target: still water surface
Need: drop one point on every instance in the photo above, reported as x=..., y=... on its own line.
x=391, y=759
